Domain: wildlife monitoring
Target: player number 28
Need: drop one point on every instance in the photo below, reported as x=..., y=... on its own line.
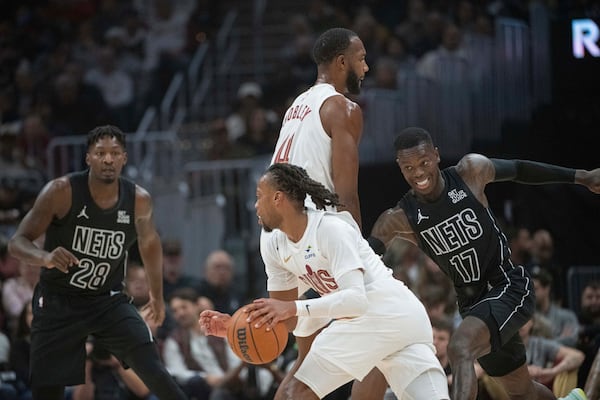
x=90, y=275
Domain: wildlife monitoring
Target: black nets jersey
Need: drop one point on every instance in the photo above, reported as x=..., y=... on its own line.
x=99, y=238
x=462, y=237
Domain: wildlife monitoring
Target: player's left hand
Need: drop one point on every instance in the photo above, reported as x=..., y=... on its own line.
x=270, y=311
x=156, y=310
x=591, y=179
x=214, y=323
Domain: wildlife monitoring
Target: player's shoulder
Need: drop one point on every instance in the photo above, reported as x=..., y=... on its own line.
x=473, y=163
x=58, y=186
x=332, y=222
x=141, y=192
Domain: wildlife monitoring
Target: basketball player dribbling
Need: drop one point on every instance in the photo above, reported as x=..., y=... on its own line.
x=321, y=132
x=376, y=321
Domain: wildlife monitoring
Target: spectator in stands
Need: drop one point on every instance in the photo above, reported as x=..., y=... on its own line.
x=33, y=141
x=565, y=327
x=17, y=292
x=542, y=256
x=413, y=29
x=431, y=64
x=519, y=241
x=589, y=320
x=174, y=275
x=203, y=364
x=431, y=275
x=221, y=146
x=107, y=379
x=435, y=300
x=8, y=390
x=136, y=284
x=547, y=358
x=9, y=266
x=249, y=97
x=115, y=85
x=165, y=46
x=19, y=352
x=260, y=135
x=385, y=76
x=322, y=16
x=395, y=47
x=442, y=331
x=24, y=87
x=18, y=183
x=71, y=103
x=203, y=23
x=217, y=282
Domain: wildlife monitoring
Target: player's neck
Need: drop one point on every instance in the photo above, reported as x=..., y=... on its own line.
x=294, y=227
x=105, y=195
x=324, y=77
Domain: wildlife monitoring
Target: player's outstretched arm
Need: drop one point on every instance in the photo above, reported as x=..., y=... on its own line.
x=538, y=173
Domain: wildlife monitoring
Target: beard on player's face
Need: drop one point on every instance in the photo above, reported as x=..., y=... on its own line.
x=353, y=83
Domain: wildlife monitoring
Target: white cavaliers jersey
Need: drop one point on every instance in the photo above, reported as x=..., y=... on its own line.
x=329, y=248
x=302, y=140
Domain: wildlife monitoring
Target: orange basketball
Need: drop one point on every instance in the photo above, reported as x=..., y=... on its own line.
x=255, y=345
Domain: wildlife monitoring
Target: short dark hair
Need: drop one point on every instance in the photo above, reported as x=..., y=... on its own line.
x=106, y=130
x=542, y=275
x=332, y=43
x=443, y=324
x=411, y=137
x=185, y=293
x=296, y=184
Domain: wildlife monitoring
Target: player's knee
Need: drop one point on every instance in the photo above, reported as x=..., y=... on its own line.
x=460, y=350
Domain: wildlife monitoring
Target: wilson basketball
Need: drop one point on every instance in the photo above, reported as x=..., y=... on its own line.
x=255, y=345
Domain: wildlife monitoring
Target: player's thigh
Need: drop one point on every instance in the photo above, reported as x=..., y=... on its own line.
x=417, y=361
x=121, y=329
x=371, y=387
x=58, y=336
x=320, y=375
x=430, y=385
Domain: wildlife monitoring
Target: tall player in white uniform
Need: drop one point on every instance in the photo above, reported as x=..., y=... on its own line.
x=321, y=132
x=377, y=320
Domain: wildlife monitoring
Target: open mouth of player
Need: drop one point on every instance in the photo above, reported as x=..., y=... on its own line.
x=423, y=184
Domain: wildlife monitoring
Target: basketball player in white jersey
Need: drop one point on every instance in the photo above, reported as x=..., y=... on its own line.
x=321, y=132
x=377, y=320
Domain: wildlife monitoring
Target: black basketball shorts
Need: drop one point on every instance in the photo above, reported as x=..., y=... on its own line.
x=62, y=324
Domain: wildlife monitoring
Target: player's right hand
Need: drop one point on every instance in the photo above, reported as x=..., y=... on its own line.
x=61, y=259
x=214, y=323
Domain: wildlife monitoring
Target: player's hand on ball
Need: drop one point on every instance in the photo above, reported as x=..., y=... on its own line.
x=214, y=323
x=270, y=311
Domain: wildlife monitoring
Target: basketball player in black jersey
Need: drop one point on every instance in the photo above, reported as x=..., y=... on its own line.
x=446, y=214
x=90, y=220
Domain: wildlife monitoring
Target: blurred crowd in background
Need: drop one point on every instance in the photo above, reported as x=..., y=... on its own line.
x=67, y=66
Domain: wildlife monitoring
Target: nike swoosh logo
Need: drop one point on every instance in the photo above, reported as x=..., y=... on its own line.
x=114, y=293
x=307, y=308
x=286, y=259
